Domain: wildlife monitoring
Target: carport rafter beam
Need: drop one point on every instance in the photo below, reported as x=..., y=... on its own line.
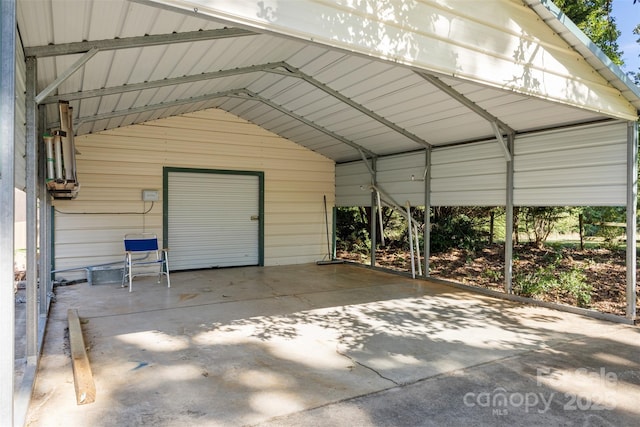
x=466, y=102
x=295, y=72
x=147, y=108
x=233, y=93
x=498, y=126
x=247, y=94
x=116, y=90
x=134, y=42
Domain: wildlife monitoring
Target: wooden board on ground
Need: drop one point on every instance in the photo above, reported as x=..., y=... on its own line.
x=82, y=376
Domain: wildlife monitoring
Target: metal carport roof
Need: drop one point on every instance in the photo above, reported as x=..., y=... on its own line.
x=120, y=62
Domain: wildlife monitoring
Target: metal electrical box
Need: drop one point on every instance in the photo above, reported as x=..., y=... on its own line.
x=150, y=195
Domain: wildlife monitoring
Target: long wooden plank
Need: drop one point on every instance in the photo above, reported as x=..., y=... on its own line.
x=82, y=375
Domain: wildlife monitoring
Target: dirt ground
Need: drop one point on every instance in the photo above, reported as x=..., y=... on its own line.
x=604, y=270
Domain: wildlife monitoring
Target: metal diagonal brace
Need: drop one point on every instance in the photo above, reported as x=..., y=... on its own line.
x=114, y=90
x=503, y=144
x=366, y=163
x=498, y=126
x=64, y=76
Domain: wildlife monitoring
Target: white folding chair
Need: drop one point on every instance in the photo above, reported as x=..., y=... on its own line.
x=143, y=250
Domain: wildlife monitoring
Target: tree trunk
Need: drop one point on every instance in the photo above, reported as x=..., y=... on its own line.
x=491, y=222
x=516, y=224
x=581, y=230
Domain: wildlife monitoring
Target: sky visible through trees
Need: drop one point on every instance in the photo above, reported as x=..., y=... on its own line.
x=627, y=16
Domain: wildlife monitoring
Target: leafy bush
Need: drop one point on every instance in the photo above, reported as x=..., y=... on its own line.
x=597, y=219
x=535, y=283
x=574, y=283
x=455, y=231
x=351, y=230
x=549, y=281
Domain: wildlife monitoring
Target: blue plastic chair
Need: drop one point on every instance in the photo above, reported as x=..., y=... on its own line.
x=143, y=250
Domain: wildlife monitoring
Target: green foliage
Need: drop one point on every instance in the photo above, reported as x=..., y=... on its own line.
x=594, y=18
x=453, y=232
x=351, y=230
x=597, y=223
x=574, y=282
x=458, y=227
x=538, y=222
x=551, y=280
x=635, y=75
x=493, y=276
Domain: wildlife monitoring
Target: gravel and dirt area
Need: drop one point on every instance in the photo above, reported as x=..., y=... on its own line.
x=590, y=278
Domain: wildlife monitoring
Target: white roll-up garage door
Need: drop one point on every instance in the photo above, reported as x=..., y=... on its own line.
x=213, y=219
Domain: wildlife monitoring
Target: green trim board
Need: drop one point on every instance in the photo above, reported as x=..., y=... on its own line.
x=165, y=200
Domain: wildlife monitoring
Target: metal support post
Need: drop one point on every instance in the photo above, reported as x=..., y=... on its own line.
x=427, y=213
x=31, y=211
x=409, y=229
x=632, y=197
x=333, y=233
x=7, y=214
x=372, y=225
x=508, y=233
x=45, y=221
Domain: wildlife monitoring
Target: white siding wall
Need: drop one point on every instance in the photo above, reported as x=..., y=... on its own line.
x=580, y=166
x=468, y=175
x=462, y=175
x=114, y=166
x=352, y=184
x=20, y=123
x=394, y=177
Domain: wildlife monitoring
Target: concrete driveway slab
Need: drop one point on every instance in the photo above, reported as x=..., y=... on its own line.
x=331, y=345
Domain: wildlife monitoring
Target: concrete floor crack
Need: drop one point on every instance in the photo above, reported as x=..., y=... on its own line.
x=366, y=367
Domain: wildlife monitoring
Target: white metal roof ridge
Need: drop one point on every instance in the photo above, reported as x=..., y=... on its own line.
x=577, y=39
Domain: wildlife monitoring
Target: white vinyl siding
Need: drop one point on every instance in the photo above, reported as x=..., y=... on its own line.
x=210, y=220
x=116, y=165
